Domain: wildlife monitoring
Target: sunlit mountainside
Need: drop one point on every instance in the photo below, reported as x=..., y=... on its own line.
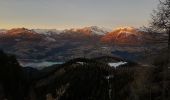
x=125, y=35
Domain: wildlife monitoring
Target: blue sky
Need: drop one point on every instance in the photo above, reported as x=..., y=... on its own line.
x=61, y=14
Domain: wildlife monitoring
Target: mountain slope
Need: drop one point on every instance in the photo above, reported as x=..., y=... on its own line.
x=93, y=30
x=123, y=35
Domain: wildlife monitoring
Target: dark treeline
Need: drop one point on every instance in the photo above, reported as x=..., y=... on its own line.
x=84, y=79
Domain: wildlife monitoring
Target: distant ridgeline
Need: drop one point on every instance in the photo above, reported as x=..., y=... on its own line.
x=80, y=79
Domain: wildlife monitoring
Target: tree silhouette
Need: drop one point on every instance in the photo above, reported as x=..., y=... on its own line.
x=161, y=22
x=161, y=18
x=10, y=76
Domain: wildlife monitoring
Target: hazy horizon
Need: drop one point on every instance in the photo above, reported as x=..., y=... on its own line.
x=64, y=14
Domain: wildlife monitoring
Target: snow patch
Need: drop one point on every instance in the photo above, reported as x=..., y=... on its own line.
x=81, y=63
x=98, y=30
x=117, y=64
x=47, y=31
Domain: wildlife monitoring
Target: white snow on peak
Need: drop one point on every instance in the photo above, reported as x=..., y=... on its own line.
x=93, y=29
x=98, y=30
x=47, y=31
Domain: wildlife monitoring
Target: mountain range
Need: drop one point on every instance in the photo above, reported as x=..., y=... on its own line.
x=62, y=45
x=126, y=34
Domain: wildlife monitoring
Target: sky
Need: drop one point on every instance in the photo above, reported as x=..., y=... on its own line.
x=65, y=14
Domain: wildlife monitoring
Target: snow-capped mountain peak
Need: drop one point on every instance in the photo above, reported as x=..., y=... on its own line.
x=123, y=34
x=47, y=31
x=92, y=30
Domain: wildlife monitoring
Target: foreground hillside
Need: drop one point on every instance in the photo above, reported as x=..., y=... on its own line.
x=82, y=79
